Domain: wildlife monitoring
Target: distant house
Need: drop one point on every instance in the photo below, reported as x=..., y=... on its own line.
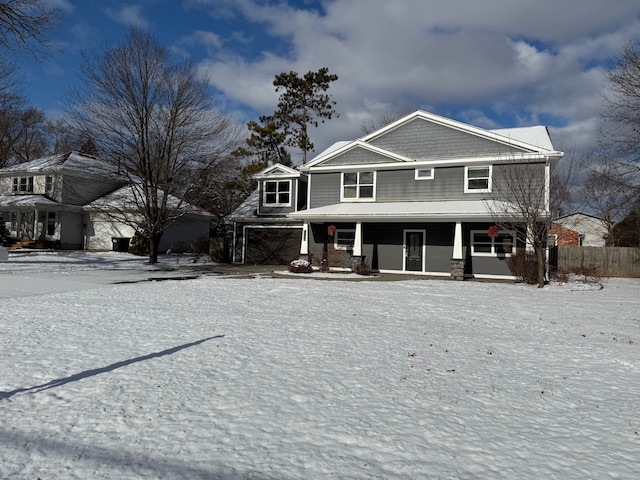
x=579, y=229
x=67, y=201
x=413, y=197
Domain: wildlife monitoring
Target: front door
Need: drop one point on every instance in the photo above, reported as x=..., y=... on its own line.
x=414, y=244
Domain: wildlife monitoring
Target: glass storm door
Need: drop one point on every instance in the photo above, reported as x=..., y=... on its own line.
x=414, y=242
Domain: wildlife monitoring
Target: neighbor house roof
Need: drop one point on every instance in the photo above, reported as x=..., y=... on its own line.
x=71, y=162
x=124, y=199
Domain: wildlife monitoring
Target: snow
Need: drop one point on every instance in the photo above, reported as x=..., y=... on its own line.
x=222, y=377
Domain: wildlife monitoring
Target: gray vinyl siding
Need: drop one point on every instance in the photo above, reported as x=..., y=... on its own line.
x=358, y=156
x=504, y=174
x=401, y=185
x=325, y=189
x=422, y=139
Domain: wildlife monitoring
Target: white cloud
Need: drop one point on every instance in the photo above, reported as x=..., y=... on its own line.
x=486, y=62
x=130, y=15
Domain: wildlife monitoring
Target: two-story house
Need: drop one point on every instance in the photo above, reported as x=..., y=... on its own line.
x=42, y=201
x=417, y=196
x=74, y=201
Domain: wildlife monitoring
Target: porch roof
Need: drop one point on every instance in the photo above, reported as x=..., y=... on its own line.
x=440, y=211
x=29, y=201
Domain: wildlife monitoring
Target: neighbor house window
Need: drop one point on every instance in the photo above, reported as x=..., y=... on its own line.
x=48, y=184
x=277, y=193
x=477, y=179
x=344, y=239
x=22, y=185
x=51, y=223
x=358, y=185
x=482, y=244
x=424, y=173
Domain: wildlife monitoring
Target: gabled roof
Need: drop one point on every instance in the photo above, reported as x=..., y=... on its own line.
x=423, y=136
x=277, y=170
x=124, y=199
x=69, y=163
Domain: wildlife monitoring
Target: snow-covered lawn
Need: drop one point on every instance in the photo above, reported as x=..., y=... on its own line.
x=296, y=378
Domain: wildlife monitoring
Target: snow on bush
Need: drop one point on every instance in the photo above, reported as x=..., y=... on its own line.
x=300, y=266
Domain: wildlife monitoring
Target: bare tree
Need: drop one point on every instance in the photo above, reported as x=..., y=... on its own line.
x=155, y=117
x=27, y=24
x=607, y=195
x=520, y=201
x=386, y=118
x=622, y=119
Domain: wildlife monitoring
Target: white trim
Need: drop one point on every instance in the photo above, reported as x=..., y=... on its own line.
x=424, y=177
x=258, y=227
x=493, y=252
x=357, y=241
x=486, y=160
x=404, y=248
x=478, y=190
x=547, y=186
x=277, y=181
x=492, y=277
x=336, y=245
x=457, y=242
x=358, y=185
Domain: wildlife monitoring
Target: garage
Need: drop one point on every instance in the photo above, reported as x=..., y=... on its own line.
x=272, y=246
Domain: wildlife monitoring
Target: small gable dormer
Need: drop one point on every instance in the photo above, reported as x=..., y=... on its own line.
x=281, y=190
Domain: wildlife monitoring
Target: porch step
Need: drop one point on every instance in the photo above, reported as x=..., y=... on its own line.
x=32, y=244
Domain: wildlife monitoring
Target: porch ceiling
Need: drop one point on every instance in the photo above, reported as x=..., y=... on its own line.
x=29, y=201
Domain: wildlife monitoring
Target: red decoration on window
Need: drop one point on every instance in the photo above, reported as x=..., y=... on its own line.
x=493, y=231
x=331, y=229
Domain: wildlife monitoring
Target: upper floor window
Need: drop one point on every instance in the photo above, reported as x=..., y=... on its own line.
x=23, y=185
x=424, y=173
x=358, y=185
x=48, y=184
x=482, y=244
x=477, y=179
x=277, y=193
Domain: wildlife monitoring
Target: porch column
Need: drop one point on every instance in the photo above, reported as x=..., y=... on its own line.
x=457, y=260
x=357, y=241
x=529, y=245
x=304, y=243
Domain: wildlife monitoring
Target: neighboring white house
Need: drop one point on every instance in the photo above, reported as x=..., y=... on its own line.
x=68, y=201
x=592, y=231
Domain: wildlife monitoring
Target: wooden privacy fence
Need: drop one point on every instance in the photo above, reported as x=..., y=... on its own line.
x=606, y=261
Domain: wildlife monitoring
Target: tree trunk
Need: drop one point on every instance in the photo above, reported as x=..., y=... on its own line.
x=541, y=265
x=154, y=242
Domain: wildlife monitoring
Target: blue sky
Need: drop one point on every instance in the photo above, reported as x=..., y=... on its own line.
x=494, y=64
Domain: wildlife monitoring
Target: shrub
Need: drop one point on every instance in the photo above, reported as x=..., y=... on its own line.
x=524, y=266
x=361, y=268
x=300, y=266
x=139, y=245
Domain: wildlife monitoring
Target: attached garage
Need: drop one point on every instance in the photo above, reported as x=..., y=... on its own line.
x=272, y=245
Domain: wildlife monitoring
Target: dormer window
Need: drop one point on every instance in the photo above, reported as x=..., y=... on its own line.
x=23, y=185
x=358, y=186
x=277, y=193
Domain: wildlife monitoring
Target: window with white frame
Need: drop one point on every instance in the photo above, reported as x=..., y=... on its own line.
x=477, y=179
x=424, y=173
x=344, y=239
x=358, y=186
x=503, y=243
x=22, y=185
x=277, y=193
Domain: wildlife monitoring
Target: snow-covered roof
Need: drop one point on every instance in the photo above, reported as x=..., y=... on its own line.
x=403, y=211
x=30, y=201
x=247, y=209
x=538, y=135
x=125, y=199
x=72, y=162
